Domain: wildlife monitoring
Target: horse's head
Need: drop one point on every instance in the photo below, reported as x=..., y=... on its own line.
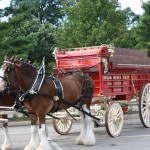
x=5, y=70
x=16, y=71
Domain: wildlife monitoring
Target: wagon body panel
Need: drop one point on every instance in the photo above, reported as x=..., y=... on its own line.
x=122, y=82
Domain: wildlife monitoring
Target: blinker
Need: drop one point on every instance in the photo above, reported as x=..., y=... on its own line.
x=8, y=70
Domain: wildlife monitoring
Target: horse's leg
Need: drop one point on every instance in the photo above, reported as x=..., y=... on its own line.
x=7, y=145
x=86, y=136
x=34, y=141
x=46, y=130
x=44, y=144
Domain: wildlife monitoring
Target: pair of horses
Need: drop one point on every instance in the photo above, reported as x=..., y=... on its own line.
x=43, y=94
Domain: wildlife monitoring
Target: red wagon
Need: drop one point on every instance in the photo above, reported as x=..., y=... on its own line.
x=114, y=82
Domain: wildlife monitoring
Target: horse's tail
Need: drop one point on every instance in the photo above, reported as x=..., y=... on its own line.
x=88, y=87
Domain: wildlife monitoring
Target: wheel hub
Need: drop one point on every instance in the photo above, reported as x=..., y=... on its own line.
x=117, y=119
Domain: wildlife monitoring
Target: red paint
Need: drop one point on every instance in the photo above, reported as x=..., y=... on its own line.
x=122, y=81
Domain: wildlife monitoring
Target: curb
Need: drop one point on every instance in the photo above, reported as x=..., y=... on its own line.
x=49, y=121
x=23, y=123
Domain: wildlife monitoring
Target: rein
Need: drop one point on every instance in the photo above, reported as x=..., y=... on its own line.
x=1, y=77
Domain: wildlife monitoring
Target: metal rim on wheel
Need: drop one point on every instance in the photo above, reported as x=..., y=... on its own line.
x=63, y=125
x=114, y=119
x=144, y=105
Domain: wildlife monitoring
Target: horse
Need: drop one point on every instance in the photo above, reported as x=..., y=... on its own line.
x=7, y=100
x=43, y=94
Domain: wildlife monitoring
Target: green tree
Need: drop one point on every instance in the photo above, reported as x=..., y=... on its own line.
x=30, y=28
x=45, y=10
x=29, y=39
x=143, y=28
x=94, y=22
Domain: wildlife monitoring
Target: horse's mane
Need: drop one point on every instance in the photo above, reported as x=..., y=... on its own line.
x=25, y=64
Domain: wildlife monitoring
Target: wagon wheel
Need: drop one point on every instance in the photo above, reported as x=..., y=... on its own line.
x=114, y=119
x=144, y=105
x=101, y=115
x=63, y=125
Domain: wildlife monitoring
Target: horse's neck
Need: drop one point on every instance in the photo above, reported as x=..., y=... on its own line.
x=25, y=78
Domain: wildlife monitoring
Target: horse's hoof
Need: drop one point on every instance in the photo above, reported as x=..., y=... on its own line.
x=89, y=142
x=79, y=141
x=29, y=147
x=6, y=147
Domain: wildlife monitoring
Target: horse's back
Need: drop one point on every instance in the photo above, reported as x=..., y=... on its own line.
x=73, y=85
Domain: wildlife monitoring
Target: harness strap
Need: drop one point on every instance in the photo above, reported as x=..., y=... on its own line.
x=70, y=115
x=58, y=87
x=1, y=77
x=49, y=114
x=59, y=94
x=80, y=109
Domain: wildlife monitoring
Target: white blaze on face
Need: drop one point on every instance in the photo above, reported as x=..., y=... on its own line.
x=2, y=82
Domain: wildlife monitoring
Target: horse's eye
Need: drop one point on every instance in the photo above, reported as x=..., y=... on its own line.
x=8, y=69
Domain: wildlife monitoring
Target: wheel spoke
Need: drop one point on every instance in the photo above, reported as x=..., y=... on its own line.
x=144, y=105
x=119, y=114
x=144, y=108
x=63, y=125
x=115, y=121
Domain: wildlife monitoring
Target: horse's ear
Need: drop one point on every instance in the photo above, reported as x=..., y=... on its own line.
x=5, y=58
x=15, y=57
x=12, y=58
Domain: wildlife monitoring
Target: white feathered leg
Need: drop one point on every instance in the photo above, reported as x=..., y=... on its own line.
x=86, y=136
x=7, y=145
x=34, y=141
x=44, y=144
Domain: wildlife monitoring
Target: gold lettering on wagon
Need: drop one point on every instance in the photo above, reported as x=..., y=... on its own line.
x=116, y=77
x=116, y=80
x=116, y=83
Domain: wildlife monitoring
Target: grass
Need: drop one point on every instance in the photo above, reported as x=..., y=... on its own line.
x=16, y=118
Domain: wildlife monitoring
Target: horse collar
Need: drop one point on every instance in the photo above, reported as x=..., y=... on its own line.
x=38, y=81
x=36, y=85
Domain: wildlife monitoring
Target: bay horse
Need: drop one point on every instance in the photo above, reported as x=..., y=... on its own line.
x=50, y=95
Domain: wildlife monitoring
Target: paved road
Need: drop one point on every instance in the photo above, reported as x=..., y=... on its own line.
x=133, y=137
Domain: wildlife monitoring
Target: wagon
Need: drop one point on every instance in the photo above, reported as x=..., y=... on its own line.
x=113, y=83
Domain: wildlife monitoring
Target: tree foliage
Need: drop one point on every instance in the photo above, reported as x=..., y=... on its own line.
x=45, y=10
x=29, y=39
x=95, y=22
x=30, y=28
x=143, y=28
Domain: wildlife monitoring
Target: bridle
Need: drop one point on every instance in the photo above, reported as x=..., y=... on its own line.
x=9, y=84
